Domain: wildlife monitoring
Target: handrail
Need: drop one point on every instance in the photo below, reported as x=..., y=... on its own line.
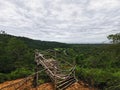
x=23, y=80
x=61, y=60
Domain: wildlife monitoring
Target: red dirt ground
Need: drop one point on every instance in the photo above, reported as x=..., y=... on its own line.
x=46, y=86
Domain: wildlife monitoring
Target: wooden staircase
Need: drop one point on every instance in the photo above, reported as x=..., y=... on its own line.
x=58, y=76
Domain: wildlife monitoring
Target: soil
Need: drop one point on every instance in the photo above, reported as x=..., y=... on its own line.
x=46, y=86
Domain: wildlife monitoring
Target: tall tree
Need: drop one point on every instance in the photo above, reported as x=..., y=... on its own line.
x=115, y=38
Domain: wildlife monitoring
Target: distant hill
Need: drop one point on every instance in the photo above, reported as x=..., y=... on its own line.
x=35, y=43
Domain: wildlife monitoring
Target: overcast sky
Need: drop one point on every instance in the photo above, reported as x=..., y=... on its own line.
x=70, y=21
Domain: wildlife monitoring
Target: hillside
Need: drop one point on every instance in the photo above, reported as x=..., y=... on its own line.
x=34, y=43
x=96, y=64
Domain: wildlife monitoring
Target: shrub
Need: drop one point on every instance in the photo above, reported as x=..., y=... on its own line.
x=20, y=73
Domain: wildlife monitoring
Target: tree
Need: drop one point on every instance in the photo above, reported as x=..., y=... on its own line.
x=2, y=32
x=17, y=49
x=115, y=38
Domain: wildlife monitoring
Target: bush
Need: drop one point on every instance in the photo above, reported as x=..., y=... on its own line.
x=3, y=77
x=100, y=78
x=41, y=81
x=20, y=73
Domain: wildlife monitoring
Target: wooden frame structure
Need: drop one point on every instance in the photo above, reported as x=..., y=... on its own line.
x=58, y=76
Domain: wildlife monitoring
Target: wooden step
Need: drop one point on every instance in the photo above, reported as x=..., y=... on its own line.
x=64, y=86
x=66, y=83
x=65, y=80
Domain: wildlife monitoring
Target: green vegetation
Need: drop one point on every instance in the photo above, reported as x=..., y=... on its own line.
x=17, y=55
x=114, y=38
x=97, y=64
x=101, y=67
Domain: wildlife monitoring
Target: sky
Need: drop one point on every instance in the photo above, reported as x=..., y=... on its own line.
x=69, y=21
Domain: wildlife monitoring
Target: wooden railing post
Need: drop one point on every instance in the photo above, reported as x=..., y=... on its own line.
x=35, y=79
x=55, y=80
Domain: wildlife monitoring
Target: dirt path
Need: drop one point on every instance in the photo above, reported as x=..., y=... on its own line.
x=9, y=82
x=46, y=86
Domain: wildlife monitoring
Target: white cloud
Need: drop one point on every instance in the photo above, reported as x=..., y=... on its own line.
x=103, y=4
x=71, y=21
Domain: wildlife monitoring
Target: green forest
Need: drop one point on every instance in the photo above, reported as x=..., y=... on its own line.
x=96, y=64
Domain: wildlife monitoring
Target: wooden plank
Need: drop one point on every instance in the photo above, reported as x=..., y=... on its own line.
x=64, y=87
x=66, y=82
